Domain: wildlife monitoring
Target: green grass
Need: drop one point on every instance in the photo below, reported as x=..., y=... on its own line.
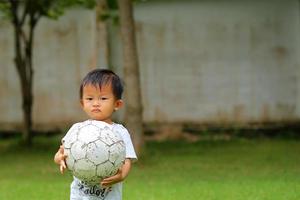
x=239, y=169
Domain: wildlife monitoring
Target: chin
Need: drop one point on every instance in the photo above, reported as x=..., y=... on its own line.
x=97, y=118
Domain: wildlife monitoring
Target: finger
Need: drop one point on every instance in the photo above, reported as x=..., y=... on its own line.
x=61, y=169
x=107, y=180
x=110, y=179
x=106, y=184
x=116, y=176
x=62, y=166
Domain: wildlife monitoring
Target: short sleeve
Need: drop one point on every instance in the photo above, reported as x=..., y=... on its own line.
x=130, y=152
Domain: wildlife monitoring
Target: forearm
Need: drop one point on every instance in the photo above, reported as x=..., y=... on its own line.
x=120, y=176
x=126, y=168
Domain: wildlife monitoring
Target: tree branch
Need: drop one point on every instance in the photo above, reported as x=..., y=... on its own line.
x=35, y=18
x=14, y=11
x=25, y=12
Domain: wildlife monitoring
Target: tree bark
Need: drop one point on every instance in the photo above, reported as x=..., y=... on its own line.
x=133, y=111
x=25, y=72
x=102, y=39
x=23, y=63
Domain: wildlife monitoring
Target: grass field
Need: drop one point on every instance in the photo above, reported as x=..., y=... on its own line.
x=238, y=169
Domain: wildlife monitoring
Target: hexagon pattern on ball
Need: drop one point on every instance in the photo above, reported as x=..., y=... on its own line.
x=94, y=151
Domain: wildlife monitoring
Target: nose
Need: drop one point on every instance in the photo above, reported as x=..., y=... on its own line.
x=96, y=103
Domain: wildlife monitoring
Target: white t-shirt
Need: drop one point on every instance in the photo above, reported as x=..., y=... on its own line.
x=81, y=191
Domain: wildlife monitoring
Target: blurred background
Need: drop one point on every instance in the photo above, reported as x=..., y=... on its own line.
x=201, y=62
x=210, y=72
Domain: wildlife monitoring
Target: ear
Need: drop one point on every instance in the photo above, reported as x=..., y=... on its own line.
x=118, y=104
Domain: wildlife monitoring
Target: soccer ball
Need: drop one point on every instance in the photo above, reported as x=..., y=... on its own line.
x=94, y=151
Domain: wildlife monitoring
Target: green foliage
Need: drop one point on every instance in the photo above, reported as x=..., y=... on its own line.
x=110, y=15
x=47, y=8
x=110, y=12
x=58, y=7
x=112, y=4
x=5, y=9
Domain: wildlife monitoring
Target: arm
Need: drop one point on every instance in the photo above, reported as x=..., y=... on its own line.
x=120, y=176
x=59, y=159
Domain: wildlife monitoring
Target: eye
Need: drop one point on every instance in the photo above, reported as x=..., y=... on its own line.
x=89, y=98
x=103, y=98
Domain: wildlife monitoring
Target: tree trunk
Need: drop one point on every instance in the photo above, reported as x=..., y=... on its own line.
x=23, y=63
x=27, y=115
x=27, y=97
x=133, y=111
x=25, y=72
x=102, y=39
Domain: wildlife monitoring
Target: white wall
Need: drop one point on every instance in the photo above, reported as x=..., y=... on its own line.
x=219, y=61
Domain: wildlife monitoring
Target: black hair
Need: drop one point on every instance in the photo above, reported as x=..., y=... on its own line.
x=100, y=77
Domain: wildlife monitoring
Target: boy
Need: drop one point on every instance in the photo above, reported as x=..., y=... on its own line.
x=100, y=95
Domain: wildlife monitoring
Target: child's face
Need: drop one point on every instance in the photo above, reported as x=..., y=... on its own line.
x=99, y=104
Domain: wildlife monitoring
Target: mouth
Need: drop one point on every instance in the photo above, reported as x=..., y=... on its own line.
x=96, y=110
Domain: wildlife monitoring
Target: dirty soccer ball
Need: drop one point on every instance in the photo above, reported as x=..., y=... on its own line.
x=94, y=151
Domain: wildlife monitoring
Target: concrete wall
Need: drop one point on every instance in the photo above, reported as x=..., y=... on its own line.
x=219, y=61
x=201, y=61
